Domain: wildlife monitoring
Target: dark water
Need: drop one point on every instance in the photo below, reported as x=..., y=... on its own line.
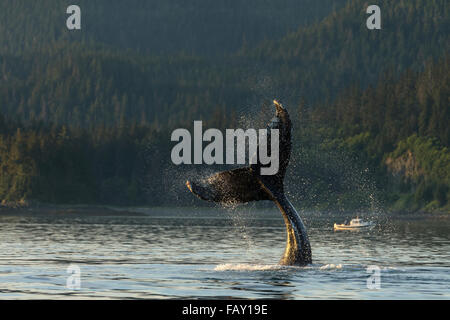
x=207, y=253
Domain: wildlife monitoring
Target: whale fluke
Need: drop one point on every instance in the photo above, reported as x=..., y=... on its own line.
x=244, y=185
x=234, y=186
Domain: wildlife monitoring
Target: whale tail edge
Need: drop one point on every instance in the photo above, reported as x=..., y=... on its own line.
x=240, y=185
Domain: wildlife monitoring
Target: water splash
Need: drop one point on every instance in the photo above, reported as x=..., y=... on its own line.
x=331, y=266
x=312, y=267
x=248, y=267
x=240, y=220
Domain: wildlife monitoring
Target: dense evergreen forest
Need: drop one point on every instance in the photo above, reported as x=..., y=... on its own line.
x=195, y=27
x=86, y=116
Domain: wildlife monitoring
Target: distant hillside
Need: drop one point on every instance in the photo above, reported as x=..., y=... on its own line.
x=86, y=118
x=200, y=27
x=319, y=61
x=382, y=148
x=386, y=146
x=90, y=84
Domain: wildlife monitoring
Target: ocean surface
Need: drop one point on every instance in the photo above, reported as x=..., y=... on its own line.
x=214, y=253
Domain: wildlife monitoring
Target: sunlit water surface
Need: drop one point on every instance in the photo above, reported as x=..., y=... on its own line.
x=211, y=253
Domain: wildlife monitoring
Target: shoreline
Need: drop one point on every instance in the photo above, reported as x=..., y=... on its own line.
x=66, y=210
x=105, y=210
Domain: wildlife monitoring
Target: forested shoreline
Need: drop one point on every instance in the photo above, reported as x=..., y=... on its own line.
x=88, y=120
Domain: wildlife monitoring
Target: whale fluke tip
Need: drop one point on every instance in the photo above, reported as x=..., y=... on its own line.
x=188, y=184
x=277, y=104
x=279, y=108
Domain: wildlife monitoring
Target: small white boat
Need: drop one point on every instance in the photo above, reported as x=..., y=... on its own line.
x=354, y=224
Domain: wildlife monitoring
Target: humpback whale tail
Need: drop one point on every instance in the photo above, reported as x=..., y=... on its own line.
x=246, y=184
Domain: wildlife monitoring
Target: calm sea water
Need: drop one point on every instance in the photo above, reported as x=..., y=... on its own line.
x=211, y=253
